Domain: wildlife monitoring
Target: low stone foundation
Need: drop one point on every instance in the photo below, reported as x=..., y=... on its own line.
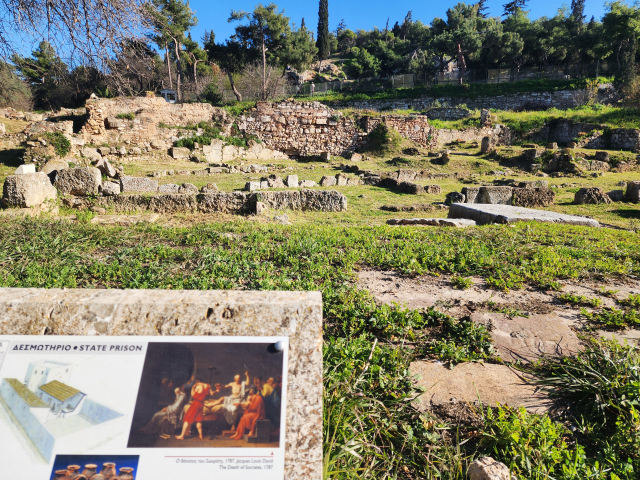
x=225, y=202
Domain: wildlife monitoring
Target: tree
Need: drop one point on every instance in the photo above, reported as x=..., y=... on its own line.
x=45, y=71
x=89, y=30
x=342, y=26
x=621, y=25
x=302, y=25
x=263, y=39
x=14, y=91
x=300, y=50
x=406, y=25
x=231, y=57
x=513, y=6
x=577, y=12
x=171, y=20
x=323, y=43
x=482, y=8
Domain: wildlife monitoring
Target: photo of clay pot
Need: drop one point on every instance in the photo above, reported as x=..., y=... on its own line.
x=209, y=395
x=95, y=467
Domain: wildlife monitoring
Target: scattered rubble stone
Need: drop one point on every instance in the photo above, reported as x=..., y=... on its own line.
x=455, y=197
x=261, y=208
x=356, y=157
x=602, y=156
x=81, y=181
x=105, y=168
x=591, y=195
x=328, y=181
x=307, y=184
x=27, y=190
x=633, y=191
x=283, y=219
x=209, y=188
x=552, y=146
x=109, y=188
x=54, y=166
x=188, y=188
x=486, y=468
x=616, y=195
x=169, y=188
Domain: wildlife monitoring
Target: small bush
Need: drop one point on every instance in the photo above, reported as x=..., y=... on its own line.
x=126, y=116
x=211, y=94
x=461, y=283
x=60, y=143
x=580, y=300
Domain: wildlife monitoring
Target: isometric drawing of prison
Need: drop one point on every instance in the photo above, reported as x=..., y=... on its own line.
x=53, y=412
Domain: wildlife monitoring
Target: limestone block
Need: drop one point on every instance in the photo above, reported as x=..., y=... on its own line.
x=104, y=151
x=486, y=145
x=169, y=188
x=230, y=152
x=180, y=153
x=261, y=208
x=264, y=184
x=602, y=156
x=105, y=168
x=33, y=117
x=433, y=189
x=486, y=214
x=353, y=181
x=109, y=189
x=209, y=188
x=292, y=181
x=27, y=190
x=53, y=166
x=188, y=188
x=341, y=180
x=495, y=195
x=616, y=195
x=307, y=184
x=135, y=151
x=138, y=185
x=593, y=195
x=356, y=157
x=252, y=186
x=114, y=123
x=326, y=156
x=533, y=197
x=552, y=146
x=26, y=168
x=455, y=197
x=330, y=181
x=91, y=153
x=78, y=181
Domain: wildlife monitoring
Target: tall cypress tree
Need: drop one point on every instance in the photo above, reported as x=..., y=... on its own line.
x=323, y=42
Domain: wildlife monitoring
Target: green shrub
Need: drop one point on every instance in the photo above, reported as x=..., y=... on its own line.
x=126, y=116
x=60, y=143
x=212, y=94
x=461, y=283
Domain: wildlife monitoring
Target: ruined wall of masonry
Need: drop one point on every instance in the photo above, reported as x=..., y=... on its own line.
x=103, y=125
x=301, y=128
x=412, y=127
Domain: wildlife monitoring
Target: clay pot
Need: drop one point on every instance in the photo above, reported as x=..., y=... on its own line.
x=108, y=471
x=90, y=470
x=60, y=475
x=97, y=476
x=126, y=473
x=73, y=472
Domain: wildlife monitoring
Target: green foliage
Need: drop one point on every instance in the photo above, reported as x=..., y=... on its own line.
x=126, y=116
x=324, y=41
x=631, y=301
x=60, y=143
x=600, y=387
x=461, y=283
x=534, y=446
x=212, y=94
x=383, y=140
x=615, y=319
x=580, y=300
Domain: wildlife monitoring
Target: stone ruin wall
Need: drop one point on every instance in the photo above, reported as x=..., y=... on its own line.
x=102, y=124
x=598, y=136
x=562, y=100
x=298, y=128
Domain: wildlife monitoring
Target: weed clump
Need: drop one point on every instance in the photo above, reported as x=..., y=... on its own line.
x=126, y=116
x=60, y=143
x=383, y=140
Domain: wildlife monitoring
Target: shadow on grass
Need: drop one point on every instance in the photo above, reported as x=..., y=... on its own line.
x=629, y=213
x=11, y=157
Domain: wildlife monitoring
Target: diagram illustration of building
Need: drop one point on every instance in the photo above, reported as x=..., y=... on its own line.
x=52, y=413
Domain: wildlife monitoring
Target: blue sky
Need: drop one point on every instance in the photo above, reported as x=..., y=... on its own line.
x=365, y=14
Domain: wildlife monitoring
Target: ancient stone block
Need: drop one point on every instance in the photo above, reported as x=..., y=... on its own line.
x=91, y=153
x=78, y=181
x=53, y=166
x=27, y=190
x=138, y=185
x=252, y=186
x=307, y=184
x=180, y=153
x=470, y=194
x=486, y=214
x=602, y=156
x=330, y=181
x=411, y=188
x=533, y=197
x=356, y=157
x=432, y=189
x=486, y=146
x=292, y=181
x=109, y=188
x=593, y=195
x=616, y=195
x=455, y=197
x=275, y=182
x=168, y=188
x=532, y=154
x=209, y=188
x=486, y=468
x=495, y=195
x=552, y=146
x=26, y=168
x=105, y=167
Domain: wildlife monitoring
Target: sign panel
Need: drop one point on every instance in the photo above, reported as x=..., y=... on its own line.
x=144, y=408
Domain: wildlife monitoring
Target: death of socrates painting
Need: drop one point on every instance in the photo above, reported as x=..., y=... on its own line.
x=200, y=395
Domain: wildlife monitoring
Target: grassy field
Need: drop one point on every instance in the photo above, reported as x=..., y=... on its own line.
x=371, y=430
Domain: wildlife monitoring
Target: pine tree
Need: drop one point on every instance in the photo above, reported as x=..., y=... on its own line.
x=482, y=8
x=577, y=12
x=323, y=42
x=513, y=6
x=302, y=25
